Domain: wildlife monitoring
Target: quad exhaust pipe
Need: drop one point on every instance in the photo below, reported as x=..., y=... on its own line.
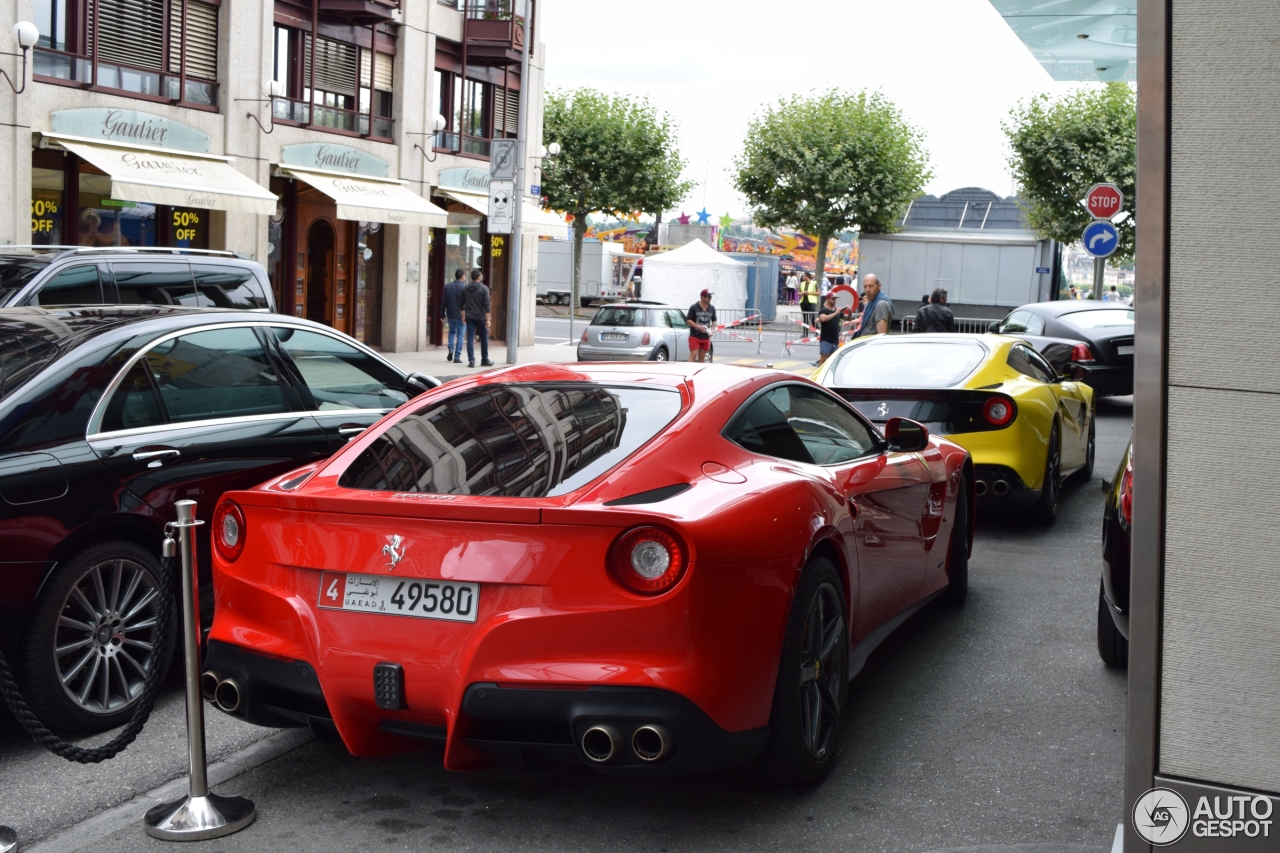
x=603, y=743
x=980, y=488
x=225, y=693
x=1000, y=488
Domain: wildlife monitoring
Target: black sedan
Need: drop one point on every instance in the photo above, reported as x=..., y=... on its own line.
x=1095, y=338
x=110, y=415
x=1113, y=596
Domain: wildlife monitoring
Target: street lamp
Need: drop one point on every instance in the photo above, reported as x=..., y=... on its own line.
x=274, y=89
x=437, y=125
x=26, y=35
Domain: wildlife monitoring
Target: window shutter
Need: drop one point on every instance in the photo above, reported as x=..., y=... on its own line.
x=382, y=69
x=130, y=32
x=202, y=39
x=506, y=111
x=335, y=65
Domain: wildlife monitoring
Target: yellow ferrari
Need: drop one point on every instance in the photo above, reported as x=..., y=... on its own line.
x=1026, y=427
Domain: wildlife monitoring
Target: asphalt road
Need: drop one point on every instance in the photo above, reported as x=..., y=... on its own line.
x=992, y=728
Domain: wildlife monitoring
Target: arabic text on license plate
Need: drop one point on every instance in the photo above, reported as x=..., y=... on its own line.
x=612, y=336
x=1125, y=350
x=426, y=599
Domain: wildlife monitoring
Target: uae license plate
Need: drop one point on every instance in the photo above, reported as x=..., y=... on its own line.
x=1125, y=350
x=453, y=601
x=613, y=336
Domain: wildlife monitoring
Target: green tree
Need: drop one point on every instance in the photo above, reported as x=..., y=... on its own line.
x=829, y=163
x=1063, y=147
x=617, y=156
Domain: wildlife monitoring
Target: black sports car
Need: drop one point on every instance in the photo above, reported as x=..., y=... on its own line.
x=1096, y=338
x=108, y=415
x=1113, y=597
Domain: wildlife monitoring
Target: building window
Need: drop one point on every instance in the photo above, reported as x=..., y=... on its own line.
x=475, y=113
x=352, y=86
x=163, y=50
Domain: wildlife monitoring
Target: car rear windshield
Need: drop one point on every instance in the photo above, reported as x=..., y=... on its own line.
x=15, y=273
x=1104, y=319
x=927, y=364
x=22, y=356
x=526, y=441
x=619, y=317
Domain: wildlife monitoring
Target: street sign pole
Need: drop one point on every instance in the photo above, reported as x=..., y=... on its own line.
x=515, y=290
x=1099, y=273
x=1104, y=202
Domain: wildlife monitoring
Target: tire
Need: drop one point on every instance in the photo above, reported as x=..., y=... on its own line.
x=584, y=301
x=106, y=590
x=798, y=751
x=1085, y=474
x=1045, y=511
x=1113, y=648
x=661, y=355
x=958, y=552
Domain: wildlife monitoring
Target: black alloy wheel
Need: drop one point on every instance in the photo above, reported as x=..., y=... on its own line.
x=1090, y=450
x=1113, y=648
x=813, y=675
x=92, y=637
x=1046, y=509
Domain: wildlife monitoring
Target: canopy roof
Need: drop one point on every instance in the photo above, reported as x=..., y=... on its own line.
x=1077, y=39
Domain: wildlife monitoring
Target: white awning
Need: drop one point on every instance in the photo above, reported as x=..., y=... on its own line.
x=156, y=176
x=535, y=221
x=365, y=199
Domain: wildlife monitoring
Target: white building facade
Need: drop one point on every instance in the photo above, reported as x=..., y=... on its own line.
x=211, y=124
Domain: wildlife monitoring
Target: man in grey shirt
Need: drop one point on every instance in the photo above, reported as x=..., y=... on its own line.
x=877, y=313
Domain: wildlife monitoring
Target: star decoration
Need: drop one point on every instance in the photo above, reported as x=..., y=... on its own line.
x=726, y=221
x=704, y=218
x=683, y=219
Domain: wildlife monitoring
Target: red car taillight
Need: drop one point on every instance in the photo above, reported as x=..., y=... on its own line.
x=648, y=560
x=228, y=531
x=998, y=411
x=644, y=342
x=1081, y=353
x=1126, y=496
x=584, y=336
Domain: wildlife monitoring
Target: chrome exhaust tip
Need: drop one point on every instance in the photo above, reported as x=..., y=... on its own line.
x=1000, y=488
x=228, y=697
x=209, y=685
x=601, y=743
x=651, y=742
x=980, y=488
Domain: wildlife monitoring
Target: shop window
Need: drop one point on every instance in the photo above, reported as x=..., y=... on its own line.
x=367, y=323
x=105, y=221
x=165, y=50
x=48, y=190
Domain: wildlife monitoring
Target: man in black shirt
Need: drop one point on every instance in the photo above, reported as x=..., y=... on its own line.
x=829, y=320
x=701, y=321
x=475, y=306
x=936, y=316
x=453, y=313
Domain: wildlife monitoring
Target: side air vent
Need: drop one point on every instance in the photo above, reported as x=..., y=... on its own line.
x=652, y=496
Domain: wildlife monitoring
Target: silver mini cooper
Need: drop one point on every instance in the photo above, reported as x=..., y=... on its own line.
x=636, y=331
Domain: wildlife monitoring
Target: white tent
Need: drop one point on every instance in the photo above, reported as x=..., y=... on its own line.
x=678, y=276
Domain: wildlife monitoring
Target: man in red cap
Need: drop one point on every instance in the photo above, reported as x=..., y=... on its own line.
x=701, y=320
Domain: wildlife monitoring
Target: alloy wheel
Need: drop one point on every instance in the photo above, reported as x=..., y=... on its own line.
x=822, y=671
x=661, y=354
x=105, y=637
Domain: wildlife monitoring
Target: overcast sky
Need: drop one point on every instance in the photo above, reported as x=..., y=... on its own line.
x=953, y=66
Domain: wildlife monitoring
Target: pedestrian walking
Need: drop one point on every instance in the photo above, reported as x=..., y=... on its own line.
x=701, y=321
x=453, y=315
x=1111, y=295
x=476, y=308
x=829, y=320
x=877, y=311
x=792, y=287
x=808, y=300
x=936, y=316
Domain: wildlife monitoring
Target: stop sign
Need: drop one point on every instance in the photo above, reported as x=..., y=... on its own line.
x=1104, y=201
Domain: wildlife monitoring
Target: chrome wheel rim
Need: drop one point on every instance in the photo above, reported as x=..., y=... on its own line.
x=105, y=637
x=822, y=667
x=661, y=356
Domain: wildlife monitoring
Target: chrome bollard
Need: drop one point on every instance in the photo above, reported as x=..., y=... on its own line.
x=8, y=840
x=200, y=814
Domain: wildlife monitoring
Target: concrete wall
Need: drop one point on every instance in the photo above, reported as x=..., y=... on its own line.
x=977, y=272
x=1220, y=687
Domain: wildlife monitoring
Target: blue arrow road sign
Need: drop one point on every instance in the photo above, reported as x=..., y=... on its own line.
x=1101, y=239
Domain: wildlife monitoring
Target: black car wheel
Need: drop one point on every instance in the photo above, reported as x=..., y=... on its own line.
x=813, y=675
x=1090, y=451
x=1046, y=509
x=1113, y=648
x=91, y=638
x=958, y=554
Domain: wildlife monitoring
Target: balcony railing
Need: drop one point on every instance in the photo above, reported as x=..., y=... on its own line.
x=460, y=143
x=73, y=68
x=494, y=31
x=332, y=118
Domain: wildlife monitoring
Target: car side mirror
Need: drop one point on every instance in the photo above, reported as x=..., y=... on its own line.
x=994, y=327
x=422, y=382
x=905, y=435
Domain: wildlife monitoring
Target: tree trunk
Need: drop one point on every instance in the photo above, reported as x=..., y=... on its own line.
x=820, y=263
x=579, y=232
x=652, y=239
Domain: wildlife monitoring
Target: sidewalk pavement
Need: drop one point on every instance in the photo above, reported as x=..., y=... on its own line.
x=432, y=361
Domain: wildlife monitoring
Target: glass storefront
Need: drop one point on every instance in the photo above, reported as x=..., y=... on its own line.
x=367, y=322
x=47, y=192
x=463, y=247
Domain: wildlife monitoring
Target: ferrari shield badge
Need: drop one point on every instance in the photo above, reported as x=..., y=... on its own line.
x=394, y=550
